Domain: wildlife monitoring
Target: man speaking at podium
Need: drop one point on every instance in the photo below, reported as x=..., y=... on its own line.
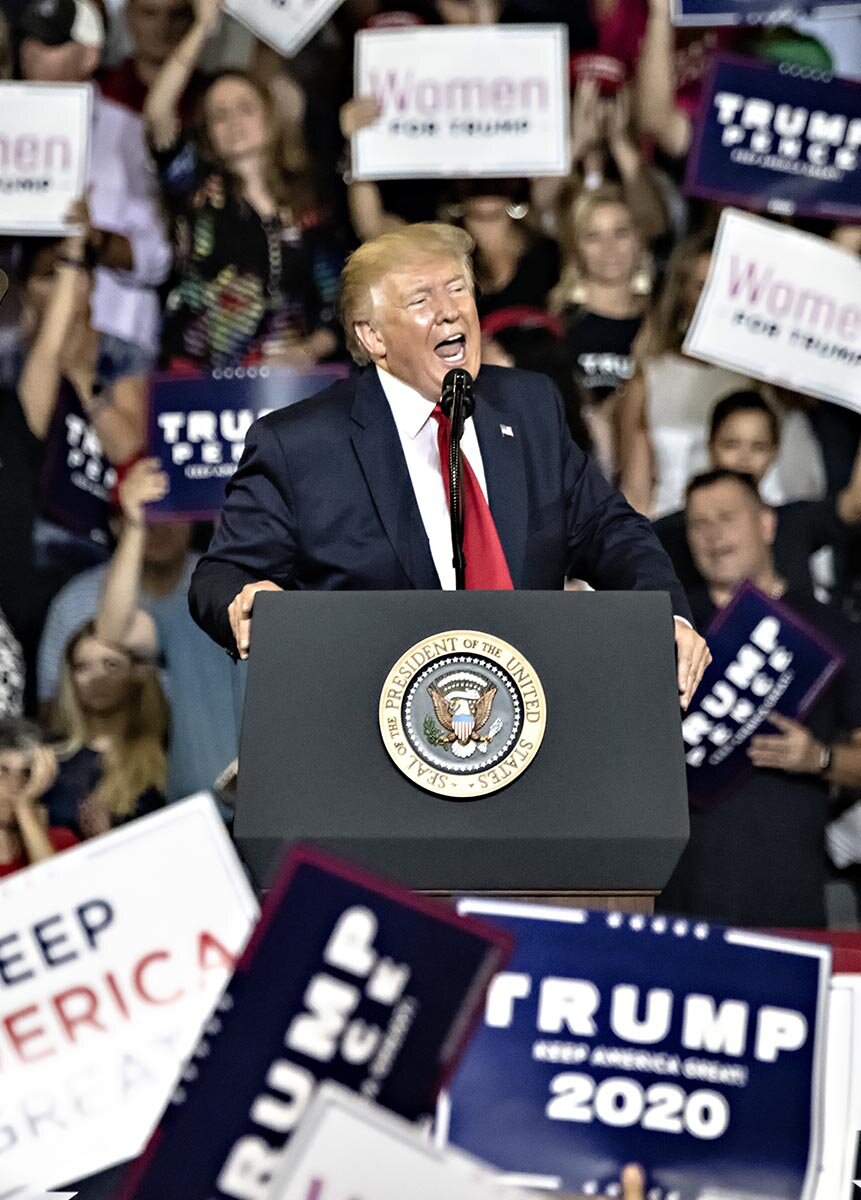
x=350, y=488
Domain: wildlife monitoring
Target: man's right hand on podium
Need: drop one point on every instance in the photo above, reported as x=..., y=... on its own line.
x=239, y=612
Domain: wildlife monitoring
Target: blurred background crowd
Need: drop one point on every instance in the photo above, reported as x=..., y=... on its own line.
x=219, y=210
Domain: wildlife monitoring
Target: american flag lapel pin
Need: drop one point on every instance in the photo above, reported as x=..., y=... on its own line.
x=506, y=431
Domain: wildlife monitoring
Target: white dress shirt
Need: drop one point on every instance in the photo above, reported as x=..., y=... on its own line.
x=124, y=200
x=417, y=431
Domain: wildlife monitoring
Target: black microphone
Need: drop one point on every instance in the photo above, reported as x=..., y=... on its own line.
x=457, y=403
x=457, y=385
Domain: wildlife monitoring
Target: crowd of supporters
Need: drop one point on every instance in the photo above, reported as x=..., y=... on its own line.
x=219, y=210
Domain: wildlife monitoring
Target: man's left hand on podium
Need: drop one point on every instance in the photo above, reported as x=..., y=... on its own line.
x=693, y=657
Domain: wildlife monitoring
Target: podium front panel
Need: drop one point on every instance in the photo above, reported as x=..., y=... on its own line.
x=603, y=805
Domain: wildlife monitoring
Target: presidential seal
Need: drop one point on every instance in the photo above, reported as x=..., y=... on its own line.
x=462, y=714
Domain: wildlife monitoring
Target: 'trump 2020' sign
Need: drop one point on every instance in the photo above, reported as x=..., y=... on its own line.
x=694, y=1050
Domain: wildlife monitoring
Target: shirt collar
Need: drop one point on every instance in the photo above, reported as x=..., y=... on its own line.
x=409, y=407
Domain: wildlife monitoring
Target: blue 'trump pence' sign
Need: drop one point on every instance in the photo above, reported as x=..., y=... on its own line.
x=694, y=1050
x=770, y=140
x=198, y=423
x=765, y=659
x=757, y=12
x=345, y=978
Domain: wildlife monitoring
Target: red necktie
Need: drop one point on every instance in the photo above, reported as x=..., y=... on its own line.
x=486, y=568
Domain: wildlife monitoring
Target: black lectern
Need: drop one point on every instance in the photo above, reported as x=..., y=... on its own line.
x=601, y=808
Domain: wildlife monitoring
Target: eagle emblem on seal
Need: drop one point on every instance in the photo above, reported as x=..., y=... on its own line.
x=463, y=703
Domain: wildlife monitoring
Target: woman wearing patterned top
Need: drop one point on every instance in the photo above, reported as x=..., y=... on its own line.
x=255, y=275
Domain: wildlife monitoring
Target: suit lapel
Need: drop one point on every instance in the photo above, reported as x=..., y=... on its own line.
x=377, y=445
x=504, y=470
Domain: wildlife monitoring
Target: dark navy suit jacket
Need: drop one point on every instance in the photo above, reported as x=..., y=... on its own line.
x=322, y=499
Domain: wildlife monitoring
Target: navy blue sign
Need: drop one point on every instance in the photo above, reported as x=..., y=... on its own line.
x=764, y=658
x=198, y=423
x=757, y=12
x=345, y=978
x=694, y=1050
x=771, y=140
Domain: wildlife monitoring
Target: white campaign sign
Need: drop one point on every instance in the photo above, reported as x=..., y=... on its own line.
x=345, y=1146
x=285, y=24
x=461, y=102
x=44, y=141
x=782, y=306
x=112, y=956
x=842, y=1099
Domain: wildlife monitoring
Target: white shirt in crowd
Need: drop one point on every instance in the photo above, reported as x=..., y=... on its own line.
x=417, y=430
x=123, y=200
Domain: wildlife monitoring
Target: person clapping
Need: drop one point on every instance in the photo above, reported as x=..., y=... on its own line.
x=28, y=768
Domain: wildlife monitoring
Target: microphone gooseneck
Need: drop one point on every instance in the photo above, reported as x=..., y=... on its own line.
x=457, y=403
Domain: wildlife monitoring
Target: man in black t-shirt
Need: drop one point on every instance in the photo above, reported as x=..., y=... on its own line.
x=757, y=855
x=744, y=436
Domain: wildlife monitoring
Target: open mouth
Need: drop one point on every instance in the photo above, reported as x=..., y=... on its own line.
x=452, y=349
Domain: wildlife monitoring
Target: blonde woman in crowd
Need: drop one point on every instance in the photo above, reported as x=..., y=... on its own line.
x=601, y=298
x=113, y=719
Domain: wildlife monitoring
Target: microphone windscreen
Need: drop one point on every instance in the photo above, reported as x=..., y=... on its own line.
x=457, y=382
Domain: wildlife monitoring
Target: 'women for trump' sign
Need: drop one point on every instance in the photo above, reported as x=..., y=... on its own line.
x=44, y=141
x=462, y=102
x=782, y=306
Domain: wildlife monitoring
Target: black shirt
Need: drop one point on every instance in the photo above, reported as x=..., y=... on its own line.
x=20, y=455
x=600, y=348
x=77, y=779
x=757, y=857
x=240, y=279
x=803, y=527
x=537, y=273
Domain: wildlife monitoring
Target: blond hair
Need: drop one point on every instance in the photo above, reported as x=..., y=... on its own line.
x=367, y=266
x=665, y=326
x=136, y=761
x=574, y=216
